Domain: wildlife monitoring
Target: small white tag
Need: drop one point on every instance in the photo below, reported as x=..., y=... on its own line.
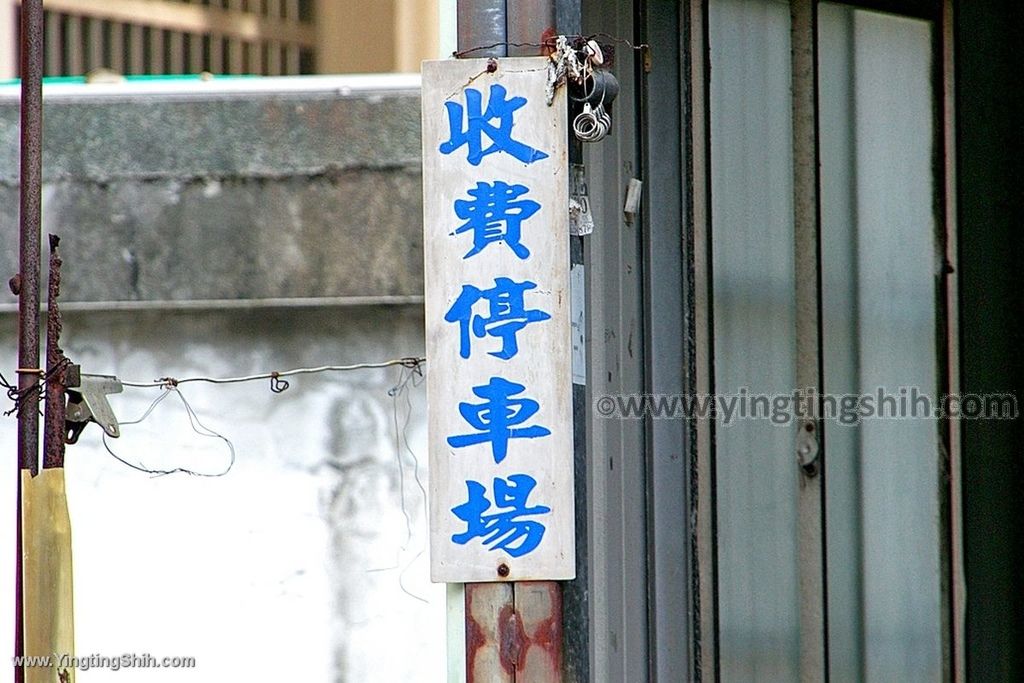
x=581, y=221
x=633, y=193
x=577, y=311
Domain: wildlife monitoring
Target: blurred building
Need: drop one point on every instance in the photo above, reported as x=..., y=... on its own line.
x=267, y=37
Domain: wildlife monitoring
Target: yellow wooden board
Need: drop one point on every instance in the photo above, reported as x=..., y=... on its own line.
x=47, y=575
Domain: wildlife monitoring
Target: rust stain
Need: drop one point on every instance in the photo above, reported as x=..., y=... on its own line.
x=476, y=639
x=548, y=632
x=528, y=634
x=511, y=640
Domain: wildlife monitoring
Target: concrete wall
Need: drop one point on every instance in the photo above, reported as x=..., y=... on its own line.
x=229, y=234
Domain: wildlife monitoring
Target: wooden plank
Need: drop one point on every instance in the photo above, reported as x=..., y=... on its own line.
x=47, y=575
x=521, y=471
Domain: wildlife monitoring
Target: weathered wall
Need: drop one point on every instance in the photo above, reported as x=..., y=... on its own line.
x=257, y=189
x=238, y=258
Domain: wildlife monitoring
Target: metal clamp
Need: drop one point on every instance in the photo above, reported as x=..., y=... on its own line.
x=87, y=403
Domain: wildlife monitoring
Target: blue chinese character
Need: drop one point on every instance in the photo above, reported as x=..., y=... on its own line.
x=479, y=123
x=501, y=530
x=506, y=316
x=496, y=417
x=495, y=214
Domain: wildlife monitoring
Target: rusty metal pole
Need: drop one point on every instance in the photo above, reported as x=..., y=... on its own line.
x=56, y=369
x=27, y=280
x=513, y=629
x=26, y=283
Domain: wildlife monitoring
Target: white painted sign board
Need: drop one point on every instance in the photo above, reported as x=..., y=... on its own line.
x=499, y=378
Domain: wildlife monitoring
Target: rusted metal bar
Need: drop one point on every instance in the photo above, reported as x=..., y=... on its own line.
x=489, y=609
x=26, y=283
x=538, y=610
x=514, y=632
x=56, y=369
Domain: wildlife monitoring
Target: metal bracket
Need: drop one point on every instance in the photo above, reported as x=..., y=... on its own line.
x=807, y=448
x=87, y=402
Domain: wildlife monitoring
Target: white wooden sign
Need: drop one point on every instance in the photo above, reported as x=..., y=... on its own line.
x=499, y=381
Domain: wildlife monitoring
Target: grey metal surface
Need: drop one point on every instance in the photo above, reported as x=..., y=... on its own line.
x=809, y=454
x=568, y=16
x=880, y=256
x=989, y=210
x=306, y=195
x=619, y=598
x=576, y=595
x=666, y=344
x=841, y=341
x=481, y=27
x=754, y=337
x=702, y=510
x=526, y=25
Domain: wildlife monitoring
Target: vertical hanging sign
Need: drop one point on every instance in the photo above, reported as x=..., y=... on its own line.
x=499, y=387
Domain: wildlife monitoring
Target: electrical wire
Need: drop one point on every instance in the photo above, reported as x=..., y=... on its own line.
x=414, y=377
x=550, y=43
x=197, y=426
x=275, y=376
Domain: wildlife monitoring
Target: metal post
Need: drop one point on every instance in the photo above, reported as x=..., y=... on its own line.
x=26, y=282
x=810, y=441
x=481, y=27
x=513, y=630
x=528, y=26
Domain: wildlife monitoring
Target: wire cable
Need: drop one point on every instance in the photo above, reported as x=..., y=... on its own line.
x=275, y=376
x=197, y=426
